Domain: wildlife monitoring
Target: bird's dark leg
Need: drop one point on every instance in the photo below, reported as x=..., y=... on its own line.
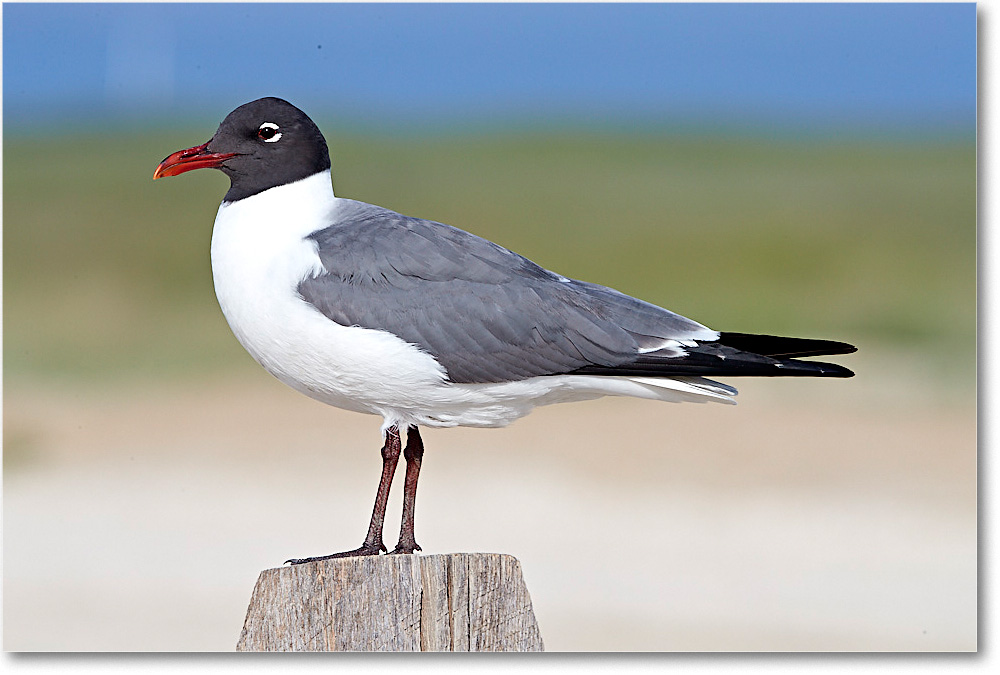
x=373, y=542
x=413, y=454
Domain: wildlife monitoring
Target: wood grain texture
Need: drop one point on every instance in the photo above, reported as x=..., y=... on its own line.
x=448, y=602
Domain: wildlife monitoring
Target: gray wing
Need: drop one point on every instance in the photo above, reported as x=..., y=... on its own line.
x=485, y=313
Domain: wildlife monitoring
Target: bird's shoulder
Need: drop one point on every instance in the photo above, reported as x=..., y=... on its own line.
x=369, y=240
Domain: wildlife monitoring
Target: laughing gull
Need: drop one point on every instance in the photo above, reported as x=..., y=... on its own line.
x=427, y=325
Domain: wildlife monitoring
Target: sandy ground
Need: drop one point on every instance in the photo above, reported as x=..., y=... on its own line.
x=813, y=516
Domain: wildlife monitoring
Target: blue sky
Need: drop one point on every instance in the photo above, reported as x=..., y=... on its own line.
x=809, y=65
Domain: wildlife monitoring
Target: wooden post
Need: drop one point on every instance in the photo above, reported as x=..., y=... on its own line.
x=452, y=602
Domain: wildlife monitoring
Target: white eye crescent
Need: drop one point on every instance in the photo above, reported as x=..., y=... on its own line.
x=268, y=132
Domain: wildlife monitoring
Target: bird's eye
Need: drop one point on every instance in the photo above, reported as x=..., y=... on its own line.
x=268, y=132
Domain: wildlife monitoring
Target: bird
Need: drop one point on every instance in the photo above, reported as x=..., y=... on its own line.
x=425, y=324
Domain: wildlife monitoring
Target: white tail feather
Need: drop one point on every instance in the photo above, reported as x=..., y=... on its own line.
x=694, y=386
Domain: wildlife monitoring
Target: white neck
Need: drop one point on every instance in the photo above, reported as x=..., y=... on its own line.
x=316, y=190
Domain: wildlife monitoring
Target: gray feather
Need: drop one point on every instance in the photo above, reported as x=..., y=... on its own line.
x=485, y=313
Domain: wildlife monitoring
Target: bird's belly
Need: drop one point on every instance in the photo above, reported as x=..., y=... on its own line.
x=376, y=372
x=346, y=366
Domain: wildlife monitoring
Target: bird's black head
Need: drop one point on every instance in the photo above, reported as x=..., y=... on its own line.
x=260, y=145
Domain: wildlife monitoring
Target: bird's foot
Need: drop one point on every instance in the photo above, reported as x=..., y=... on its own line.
x=406, y=547
x=365, y=549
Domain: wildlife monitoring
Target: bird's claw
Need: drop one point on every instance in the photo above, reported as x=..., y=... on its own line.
x=408, y=547
x=364, y=550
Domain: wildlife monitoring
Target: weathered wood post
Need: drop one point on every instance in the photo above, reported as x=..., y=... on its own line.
x=451, y=602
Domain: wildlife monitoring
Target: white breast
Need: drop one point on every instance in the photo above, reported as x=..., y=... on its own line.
x=260, y=253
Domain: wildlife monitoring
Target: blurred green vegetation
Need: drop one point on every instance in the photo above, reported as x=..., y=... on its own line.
x=107, y=274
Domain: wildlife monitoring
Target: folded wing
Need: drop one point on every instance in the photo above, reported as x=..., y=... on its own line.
x=489, y=315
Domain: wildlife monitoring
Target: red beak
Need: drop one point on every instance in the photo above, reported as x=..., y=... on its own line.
x=197, y=157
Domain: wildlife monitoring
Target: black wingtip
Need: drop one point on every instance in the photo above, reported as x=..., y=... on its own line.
x=739, y=355
x=784, y=347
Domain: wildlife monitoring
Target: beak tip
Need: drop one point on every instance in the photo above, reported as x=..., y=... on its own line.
x=162, y=169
